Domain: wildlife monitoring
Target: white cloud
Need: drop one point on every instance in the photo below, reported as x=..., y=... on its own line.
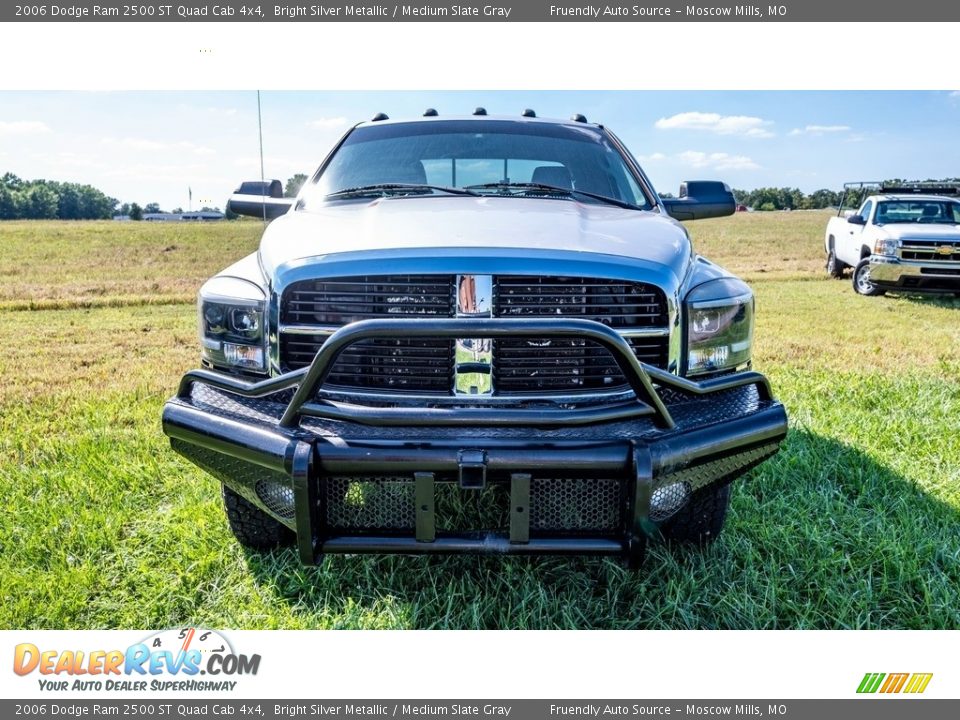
x=23, y=127
x=745, y=125
x=820, y=129
x=143, y=145
x=955, y=94
x=655, y=157
x=717, y=160
x=327, y=123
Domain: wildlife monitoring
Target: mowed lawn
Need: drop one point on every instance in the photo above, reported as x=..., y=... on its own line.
x=855, y=524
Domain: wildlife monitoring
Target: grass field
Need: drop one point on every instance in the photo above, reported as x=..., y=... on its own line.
x=855, y=524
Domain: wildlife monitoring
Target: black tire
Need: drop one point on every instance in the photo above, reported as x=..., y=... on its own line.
x=835, y=267
x=701, y=519
x=861, y=280
x=252, y=527
x=636, y=552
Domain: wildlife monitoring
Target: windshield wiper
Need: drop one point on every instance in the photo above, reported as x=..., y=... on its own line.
x=553, y=190
x=383, y=189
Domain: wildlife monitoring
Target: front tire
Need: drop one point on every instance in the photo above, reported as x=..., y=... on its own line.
x=252, y=527
x=701, y=520
x=835, y=267
x=861, y=280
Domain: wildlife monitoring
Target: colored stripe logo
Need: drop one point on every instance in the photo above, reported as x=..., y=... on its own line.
x=887, y=683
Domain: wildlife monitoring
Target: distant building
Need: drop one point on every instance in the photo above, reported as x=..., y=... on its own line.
x=196, y=216
x=202, y=215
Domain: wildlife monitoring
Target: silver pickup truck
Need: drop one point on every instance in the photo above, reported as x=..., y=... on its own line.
x=476, y=335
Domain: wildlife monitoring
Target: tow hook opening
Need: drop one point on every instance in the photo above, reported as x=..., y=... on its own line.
x=473, y=469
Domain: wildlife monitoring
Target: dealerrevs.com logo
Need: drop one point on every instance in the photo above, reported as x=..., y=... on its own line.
x=893, y=683
x=170, y=660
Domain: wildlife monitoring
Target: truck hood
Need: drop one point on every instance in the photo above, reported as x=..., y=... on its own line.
x=910, y=231
x=445, y=223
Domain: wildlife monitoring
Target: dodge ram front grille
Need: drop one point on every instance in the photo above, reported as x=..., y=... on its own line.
x=617, y=304
x=344, y=300
x=395, y=364
x=311, y=309
x=524, y=365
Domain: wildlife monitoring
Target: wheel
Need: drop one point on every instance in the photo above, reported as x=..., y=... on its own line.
x=835, y=267
x=700, y=521
x=861, y=279
x=252, y=527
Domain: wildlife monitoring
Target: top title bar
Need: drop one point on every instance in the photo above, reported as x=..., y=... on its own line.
x=504, y=11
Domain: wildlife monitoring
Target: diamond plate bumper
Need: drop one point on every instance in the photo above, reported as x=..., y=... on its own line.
x=514, y=479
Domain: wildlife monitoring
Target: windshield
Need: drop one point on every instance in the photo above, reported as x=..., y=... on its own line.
x=918, y=211
x=487, y=157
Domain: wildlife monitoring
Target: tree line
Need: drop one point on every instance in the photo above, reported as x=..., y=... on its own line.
x=785, y=198
x=51, y=200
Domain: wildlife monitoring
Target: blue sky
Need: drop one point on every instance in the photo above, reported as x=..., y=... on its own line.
x=152, y=146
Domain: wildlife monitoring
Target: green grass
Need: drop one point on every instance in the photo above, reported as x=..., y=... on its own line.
x=855, y=524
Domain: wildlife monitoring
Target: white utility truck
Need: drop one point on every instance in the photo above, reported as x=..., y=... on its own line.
x=904, y=236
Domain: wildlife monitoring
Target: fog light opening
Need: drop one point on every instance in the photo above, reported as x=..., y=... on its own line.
x=668, y=499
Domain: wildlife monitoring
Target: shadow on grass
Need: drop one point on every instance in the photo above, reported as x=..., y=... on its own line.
x=821, y=536
x=944, y=300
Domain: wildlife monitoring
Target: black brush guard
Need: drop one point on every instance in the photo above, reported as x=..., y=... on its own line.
x=291, y=452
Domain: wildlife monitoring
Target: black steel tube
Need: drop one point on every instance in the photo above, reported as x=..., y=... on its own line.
x=704, y=387
x=476, y=327
x=252, y=443
x=468, y=416
x=239, y=386
x=490, y=544
x=714, y=441
x=342, y=459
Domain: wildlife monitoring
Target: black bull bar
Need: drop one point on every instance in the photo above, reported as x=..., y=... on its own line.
x=417, y=440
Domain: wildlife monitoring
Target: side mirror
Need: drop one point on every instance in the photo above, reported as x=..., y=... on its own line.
x=260, y=199
x=857, y=220
x=700, y=199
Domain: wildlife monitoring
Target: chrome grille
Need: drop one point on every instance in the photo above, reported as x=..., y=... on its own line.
x=311, y=309
x=930, y=250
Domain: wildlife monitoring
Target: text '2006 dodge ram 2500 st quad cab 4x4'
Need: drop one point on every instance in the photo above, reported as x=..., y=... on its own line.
x=476, y=335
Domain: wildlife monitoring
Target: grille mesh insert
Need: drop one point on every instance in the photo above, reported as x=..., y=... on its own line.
x=338, y=301
x=370, y=503
x=576, y=505
x=614, y=303
x=355, y=505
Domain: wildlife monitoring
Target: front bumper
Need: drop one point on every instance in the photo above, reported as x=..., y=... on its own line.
x=896, y=274
x=594, y=480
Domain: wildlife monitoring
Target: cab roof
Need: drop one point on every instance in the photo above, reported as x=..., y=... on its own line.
x=481, y=118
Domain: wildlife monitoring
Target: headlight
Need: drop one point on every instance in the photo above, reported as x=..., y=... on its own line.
x=885, y=246
x=719, y=326
x=231, y=321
